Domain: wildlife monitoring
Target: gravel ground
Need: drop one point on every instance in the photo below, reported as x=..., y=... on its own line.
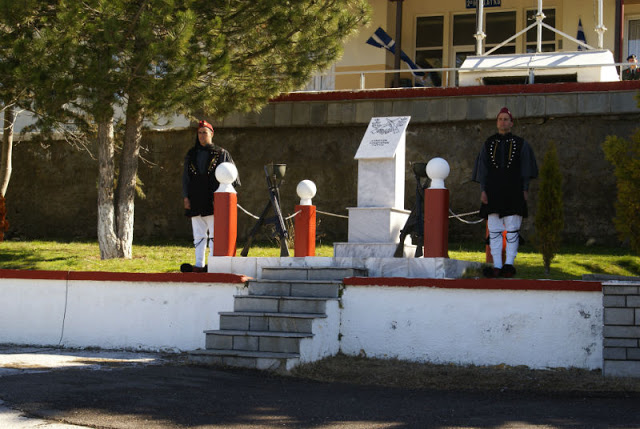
x=403, y=374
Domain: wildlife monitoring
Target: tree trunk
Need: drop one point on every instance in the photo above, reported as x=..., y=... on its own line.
x=7, y=149
x=127, y=176
x=107, y=239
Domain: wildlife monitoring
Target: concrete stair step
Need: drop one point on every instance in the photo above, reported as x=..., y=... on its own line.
x=280, y=304
x=311, y=273
x=278, y=362
x=241, y=332
x=255, y=341
x=308, y=288
x=270, y=325
x=261, y=321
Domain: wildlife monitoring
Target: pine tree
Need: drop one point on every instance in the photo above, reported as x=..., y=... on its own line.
x=154, y=57
x=549, y=220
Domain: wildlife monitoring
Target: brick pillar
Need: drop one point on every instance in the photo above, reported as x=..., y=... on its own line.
x=621, y=329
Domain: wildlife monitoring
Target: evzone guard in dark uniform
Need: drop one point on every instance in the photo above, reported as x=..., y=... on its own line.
x=198, y=185
x=504, y=167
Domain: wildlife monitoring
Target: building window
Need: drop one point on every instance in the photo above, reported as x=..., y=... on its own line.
x=464, y=27
x=548, y=36
x=429, y=46
x=633, y=39
x=499, y=26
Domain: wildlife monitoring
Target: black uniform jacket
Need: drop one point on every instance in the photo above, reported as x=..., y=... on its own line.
x=199, y=180
x=504, y=168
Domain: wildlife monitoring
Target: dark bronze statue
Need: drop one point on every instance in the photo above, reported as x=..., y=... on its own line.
x=415, y=223
x=275, y=177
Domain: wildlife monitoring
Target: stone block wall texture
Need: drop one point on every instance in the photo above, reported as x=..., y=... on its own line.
x=621, y=329
x=53, y=192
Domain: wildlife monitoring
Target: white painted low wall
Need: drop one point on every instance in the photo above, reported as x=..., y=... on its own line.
x=536, y=328
x=142, y=315
x=465, y=321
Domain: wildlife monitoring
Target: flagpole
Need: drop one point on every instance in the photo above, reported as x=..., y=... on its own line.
x=398, y=45
x=600, y=29
x=619, y=33
x=479, y=33
x=539, y=17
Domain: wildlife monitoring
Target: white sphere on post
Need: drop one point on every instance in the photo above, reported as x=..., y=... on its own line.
x=437, y=170
x=226, y=174
x=306, y=191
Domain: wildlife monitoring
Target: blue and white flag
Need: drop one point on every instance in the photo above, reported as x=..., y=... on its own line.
x=381, y=39
x=581, y=37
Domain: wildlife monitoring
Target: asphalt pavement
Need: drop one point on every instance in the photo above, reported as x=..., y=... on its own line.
x=49, y=388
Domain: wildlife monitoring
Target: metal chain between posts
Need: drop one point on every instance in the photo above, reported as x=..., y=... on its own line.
x=459, y=217
x=244, y=210
x=453, y=215
x=332, y=214
x=293, y=215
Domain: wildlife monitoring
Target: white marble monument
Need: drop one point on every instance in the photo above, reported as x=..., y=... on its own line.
x=374, y=226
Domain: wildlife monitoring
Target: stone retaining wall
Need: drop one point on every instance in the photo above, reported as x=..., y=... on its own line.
x=621, y=329
x=52, y=193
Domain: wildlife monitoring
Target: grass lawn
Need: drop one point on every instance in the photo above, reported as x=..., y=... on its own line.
x=570, y=263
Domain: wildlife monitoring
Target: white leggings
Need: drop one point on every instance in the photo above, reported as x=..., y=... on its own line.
x=496, y=225
x=201, y=225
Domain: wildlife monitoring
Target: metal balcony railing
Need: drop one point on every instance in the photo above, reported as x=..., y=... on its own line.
x=449, y=73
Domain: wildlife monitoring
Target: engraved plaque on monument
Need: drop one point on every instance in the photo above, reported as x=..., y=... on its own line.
x=381, y=157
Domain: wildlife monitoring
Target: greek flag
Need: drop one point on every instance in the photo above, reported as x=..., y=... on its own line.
x=381, y=39
x=581, y=37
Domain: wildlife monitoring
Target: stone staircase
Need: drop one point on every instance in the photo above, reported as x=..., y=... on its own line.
x=291, y=315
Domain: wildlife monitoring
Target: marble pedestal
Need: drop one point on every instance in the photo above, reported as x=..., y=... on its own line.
x=374, y=232
x=376, y=224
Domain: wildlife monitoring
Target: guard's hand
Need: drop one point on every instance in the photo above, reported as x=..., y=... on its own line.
x=187, y=203
x=483, y=198
x=526, y=195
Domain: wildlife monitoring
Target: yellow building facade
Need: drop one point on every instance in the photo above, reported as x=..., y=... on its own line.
x=440, y=34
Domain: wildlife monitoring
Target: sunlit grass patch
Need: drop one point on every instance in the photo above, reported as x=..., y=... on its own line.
x=571, y=262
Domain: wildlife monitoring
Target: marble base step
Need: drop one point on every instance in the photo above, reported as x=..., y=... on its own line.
x=371, y=250
x=311, y=273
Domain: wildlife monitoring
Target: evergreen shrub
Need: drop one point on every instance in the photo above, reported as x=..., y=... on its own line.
x=549, y=220
x=624, y=155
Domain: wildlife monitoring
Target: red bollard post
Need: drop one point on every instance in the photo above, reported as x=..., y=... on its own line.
x=436, y=211
x=436, y=223
x=305, y=231
x=225, y=211
x=225, y=223
x=305, y=222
